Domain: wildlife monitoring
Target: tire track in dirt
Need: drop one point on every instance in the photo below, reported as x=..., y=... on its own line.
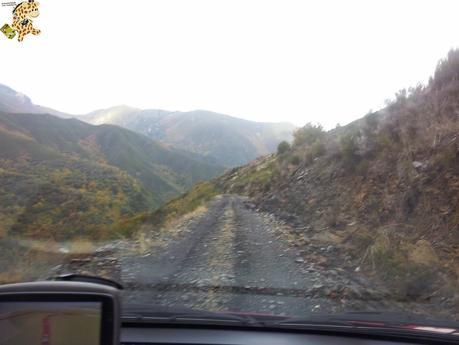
x=229, y=259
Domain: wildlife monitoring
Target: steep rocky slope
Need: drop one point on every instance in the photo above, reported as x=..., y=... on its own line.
x=380, y=195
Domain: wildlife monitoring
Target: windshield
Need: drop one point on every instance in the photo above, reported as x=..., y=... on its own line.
x=280, y=158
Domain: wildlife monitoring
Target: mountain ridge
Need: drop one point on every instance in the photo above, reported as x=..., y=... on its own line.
x=68, y=157
x=223, y=139
x=228, y=140
x=17, y=102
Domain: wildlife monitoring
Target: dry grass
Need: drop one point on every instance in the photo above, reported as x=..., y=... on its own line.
x=151, y=237
x=422, y=253
x=81, y=246
x=11, y=276
x=198, y=196
x=28, y=264
x=327, y=237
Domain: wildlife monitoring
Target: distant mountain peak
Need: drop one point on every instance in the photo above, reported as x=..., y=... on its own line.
x=225, y=139
x=17, y=102
x=12, y=100
x=119, y=107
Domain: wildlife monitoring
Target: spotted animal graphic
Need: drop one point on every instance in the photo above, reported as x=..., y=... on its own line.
x=22, y=18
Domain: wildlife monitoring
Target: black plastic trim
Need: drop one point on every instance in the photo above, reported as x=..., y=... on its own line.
x=332, y=331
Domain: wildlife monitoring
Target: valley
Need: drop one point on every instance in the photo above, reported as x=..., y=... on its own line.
x=64, y=179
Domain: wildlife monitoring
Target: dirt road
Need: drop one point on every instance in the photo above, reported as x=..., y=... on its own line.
x=229, y=258
x=232, y=257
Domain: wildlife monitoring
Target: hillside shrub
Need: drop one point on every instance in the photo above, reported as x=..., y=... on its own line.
x=283, y=147
x=447, y=158
x=383, y=141
x=370, y=124
x=389, y=139
x=308, y=135
x=406, y=275
x=349, y=148
x=314, y=151
x=447, y=70
x=294, y=160
x=362, y=167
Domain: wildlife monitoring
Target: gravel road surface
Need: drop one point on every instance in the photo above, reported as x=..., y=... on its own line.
x=229, y=258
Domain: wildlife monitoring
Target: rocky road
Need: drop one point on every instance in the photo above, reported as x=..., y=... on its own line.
x=232, y=258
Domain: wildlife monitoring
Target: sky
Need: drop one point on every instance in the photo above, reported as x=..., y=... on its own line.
x=299, y=61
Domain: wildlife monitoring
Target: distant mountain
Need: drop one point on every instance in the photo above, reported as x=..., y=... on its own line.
x=16, y=102
x=224, y=139
x=75, y=179
x=215, y=138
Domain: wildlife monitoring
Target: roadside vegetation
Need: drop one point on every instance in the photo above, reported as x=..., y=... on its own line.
x=383, y=190
x=190, y=201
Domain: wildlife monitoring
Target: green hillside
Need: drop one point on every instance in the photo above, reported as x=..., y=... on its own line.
x=65, y=178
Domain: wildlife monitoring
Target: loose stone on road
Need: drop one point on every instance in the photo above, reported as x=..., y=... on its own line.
x=230, y=258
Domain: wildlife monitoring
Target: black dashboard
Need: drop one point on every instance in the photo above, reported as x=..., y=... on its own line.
x=193, y=336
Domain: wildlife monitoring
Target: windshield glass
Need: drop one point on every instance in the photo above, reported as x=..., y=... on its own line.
x=282, y=158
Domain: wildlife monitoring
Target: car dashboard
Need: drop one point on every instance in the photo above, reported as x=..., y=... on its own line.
x=184, y=335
